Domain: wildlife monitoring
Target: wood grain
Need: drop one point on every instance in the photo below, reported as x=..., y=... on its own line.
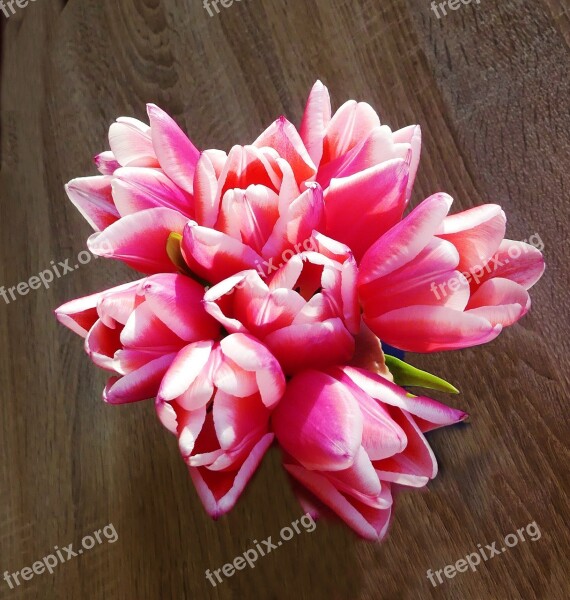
x=489, y=85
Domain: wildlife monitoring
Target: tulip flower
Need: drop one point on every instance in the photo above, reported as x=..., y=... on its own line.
x=435, y=282
x=216, y=397
x=137, y=329
x=348, y=435
x=306, y=313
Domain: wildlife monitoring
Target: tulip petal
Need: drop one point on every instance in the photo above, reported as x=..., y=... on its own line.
x=106, y=163
x=214, y=255
x=430, y=413
x=250, y=355
x=93, y=199
x=370, y=523
x=417, y=464
x=131, y=144
x=207, y=201
x=350, y=125
x=404, y=241
x=500, y=301
x=318, y=422
x=314, y=345
x=137, y=188
x=316, y=117
x=476, y=233
x=140, y=239
x=517, y=261
x=283, y=137
x=138, y=385
x=372, y=201
x=184, y=370
x=432, y=329
x=220, y=490
x=238, y=419
x=144, y=330
x=177, y=301
x=411, y=135
x=176, y=154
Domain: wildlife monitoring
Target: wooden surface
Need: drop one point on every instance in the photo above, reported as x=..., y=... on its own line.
x=489, y=84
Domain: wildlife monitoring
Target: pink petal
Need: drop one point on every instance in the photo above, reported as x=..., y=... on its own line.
x=517, y=261
x=137, y=188
x=249, y=215
x=80, y=314
x=350, y=125
x=220, y=490
x=101, y=344
x=361, y=482
x=377, y=147
x=476, y=233
x=405, y=240
x=315, y=120
x=312, y=345
x=500, y=301
x=176, y=154
x=246, y=165
x=131, y=144
x=432, y=329
x=106, y=163
x=429, y=279
x=251, y=355
x=238, y=419
x=369, y=523
x=381, y=436
x=283, y=137
x=431, y=413
x=416, y=465
x=372, y=201
x=189, y=363
x=116, y=305
x=318, y=422
x=296, y=224
x=214, y=255
x=138, y=385
x=144, y=330
x=206, y=196
x=189, y=426
x=140, y=239
x=411, y=135
x=177, y=301
x=93, y=199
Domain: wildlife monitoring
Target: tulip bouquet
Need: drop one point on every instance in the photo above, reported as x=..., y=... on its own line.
x=274, y=274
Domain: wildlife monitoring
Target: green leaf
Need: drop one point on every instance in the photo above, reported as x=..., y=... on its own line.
x=406, y=375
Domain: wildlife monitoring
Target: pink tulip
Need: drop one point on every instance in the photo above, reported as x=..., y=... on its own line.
x=366, y=170
x=254, y=203
x=216, y=397
x=348, y=435
x=136, y=330
x=436, y=282
x=306, y=313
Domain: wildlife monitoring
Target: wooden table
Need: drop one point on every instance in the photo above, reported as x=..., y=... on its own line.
x=489, y=84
